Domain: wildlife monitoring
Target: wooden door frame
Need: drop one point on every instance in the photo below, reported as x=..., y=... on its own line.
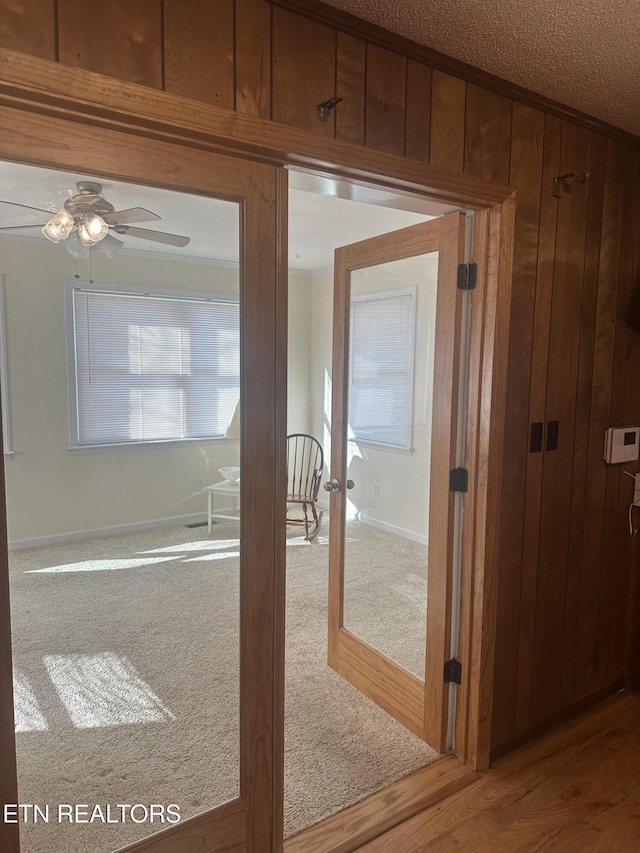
x=55, y=116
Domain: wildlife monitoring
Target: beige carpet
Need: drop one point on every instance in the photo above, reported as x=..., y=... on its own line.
x=126, y=665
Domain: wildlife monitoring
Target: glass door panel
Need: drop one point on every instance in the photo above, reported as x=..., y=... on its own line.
x=390, y=399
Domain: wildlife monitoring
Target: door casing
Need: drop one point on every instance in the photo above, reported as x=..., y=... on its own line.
x=66, y=118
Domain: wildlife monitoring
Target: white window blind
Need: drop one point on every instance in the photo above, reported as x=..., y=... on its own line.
x=152, y=367
x=381, y=367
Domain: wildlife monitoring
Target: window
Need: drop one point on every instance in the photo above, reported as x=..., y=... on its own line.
x=381, y=367
x=151, y=366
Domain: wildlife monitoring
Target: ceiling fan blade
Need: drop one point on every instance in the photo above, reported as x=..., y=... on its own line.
x=21, y=227
x=131, y=214
x=156, y=236
x=29, y=207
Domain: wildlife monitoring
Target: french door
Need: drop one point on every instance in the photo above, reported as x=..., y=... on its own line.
x=251, y=821
x=394, y=443
x=70, y=119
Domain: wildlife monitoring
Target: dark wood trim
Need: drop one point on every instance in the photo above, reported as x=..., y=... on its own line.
x=374, y=34
x=551, y=723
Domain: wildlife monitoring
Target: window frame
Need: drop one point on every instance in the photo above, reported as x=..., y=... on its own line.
x=376, y=296
x=71, y=285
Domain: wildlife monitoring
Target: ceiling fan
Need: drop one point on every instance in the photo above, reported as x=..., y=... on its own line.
x=87, y=219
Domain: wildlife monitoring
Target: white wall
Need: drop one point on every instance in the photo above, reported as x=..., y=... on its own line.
x=52, y=491
x=403, y=478
x=299, y=353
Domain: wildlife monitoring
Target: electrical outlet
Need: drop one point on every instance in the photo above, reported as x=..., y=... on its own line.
x=376, y=489
x=199, y=484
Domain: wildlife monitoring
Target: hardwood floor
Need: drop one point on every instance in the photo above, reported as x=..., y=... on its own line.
x=576, y=789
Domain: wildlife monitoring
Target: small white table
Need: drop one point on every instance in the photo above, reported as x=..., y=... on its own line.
x=224, y=487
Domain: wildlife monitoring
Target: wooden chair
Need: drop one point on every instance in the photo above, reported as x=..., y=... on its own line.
x=305, y=461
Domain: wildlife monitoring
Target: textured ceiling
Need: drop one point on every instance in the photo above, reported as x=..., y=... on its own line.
x=583, y=53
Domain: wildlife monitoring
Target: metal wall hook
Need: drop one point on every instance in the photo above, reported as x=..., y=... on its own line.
x=561, y=182
x=324, y=109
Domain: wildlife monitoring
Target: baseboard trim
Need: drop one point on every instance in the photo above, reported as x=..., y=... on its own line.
x=393, y=528
x=117, y=530
x=384, y=525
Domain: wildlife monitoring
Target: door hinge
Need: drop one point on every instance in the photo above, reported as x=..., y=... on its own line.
x=453, y=672
x=467, y=276
x=458, y=480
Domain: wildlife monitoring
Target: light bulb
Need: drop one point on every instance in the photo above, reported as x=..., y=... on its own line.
x=58, y=227
x=75, y=247
x=92, y=229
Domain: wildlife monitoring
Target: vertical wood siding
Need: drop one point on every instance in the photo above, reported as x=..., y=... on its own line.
x=121, y=40
x=565, y=553
x=386, y=100
x=515, y=605
x=350, y=64
x=198, y=51
x=29, y=26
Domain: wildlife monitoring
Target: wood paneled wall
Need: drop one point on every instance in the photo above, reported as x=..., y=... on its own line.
x=574, y=356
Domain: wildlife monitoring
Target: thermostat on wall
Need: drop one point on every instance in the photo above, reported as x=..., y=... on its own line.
x=621, y=444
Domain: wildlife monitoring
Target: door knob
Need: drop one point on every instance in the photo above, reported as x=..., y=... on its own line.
x=335, y=485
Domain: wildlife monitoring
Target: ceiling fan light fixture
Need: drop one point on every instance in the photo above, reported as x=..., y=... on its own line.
x=87, y=218
x=92, y=229
x=59, y=226
x=76, y=247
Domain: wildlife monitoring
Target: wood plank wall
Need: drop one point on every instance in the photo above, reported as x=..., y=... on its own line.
x=573, y=357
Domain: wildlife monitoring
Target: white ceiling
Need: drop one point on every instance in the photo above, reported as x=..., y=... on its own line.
x=582, y=53
x=319, y=219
